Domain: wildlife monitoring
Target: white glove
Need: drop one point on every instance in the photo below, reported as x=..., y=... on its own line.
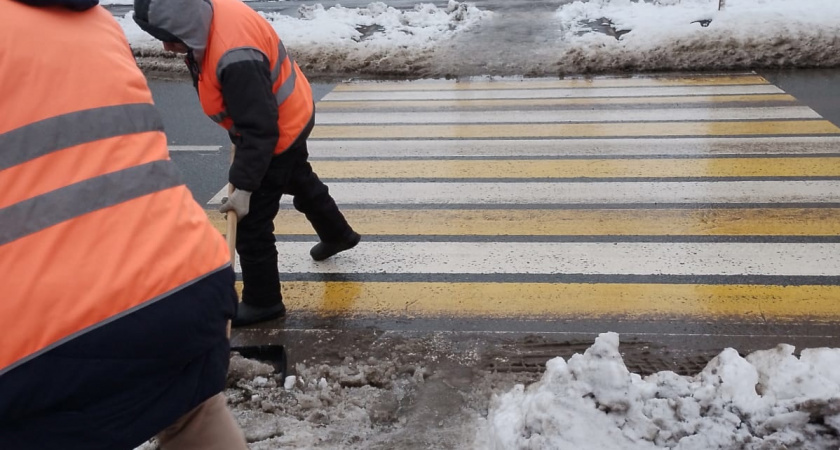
x=239, y=202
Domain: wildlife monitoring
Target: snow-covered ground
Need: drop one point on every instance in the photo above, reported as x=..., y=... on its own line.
x=669, y=34
x=377, y=39
x=769, y=400
x=592, y=36
x=405, y=397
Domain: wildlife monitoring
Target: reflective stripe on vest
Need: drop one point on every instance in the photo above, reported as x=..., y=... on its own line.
x=250, y=54
x=54, y=134
x=37, y=213
x=41, y=138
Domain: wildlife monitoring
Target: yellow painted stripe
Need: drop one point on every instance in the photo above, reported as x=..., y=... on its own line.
x=465, y=131
x=447, y=85
x=587, y=168
x=496, y=103
x=608, y=222
x=555, y=300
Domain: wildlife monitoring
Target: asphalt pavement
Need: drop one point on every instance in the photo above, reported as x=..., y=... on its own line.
x=202, y=146
x=525, y=218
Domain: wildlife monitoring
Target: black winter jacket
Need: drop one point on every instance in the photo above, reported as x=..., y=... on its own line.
x=250, y=103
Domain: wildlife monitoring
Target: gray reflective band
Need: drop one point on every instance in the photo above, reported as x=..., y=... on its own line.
x=281, y=56
x=239, y=54
x=288, y=86
x=38, y=213
x=218, y=118
x=49, y=135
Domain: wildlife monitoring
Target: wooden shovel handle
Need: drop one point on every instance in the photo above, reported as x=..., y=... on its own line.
x=230, y=233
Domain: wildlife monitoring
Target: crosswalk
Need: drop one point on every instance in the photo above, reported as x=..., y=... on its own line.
x=635, y=197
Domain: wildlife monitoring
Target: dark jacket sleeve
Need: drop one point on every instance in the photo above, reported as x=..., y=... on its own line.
x=246, y=90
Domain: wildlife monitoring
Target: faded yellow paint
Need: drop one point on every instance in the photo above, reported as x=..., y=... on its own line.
x=582, y=168
x=562, y=300
x=468, y=131
x=326, y=105
x=536, y=222
x=447, y=85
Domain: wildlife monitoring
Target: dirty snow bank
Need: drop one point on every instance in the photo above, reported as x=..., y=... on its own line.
x=377, y=39
x=414, y=392
x=380, y=391
x=579, y=37
x=769, y=400
x=349, y=405
x=339, y=405
x=609, y=35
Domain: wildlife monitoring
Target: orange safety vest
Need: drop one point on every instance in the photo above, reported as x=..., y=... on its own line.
x=94, y=220
x=236, y=25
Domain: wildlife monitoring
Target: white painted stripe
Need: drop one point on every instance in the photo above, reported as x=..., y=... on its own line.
x=570, y=258
x=582, y=193
x=572, y=147
x=577, y=193
x=554, y=93
x=571, y=116
x=194, y=148
x=585, y=81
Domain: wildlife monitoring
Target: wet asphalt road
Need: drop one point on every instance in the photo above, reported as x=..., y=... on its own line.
x=677, y=343
x=186, y=125
x=817, y=88
x=205, y=171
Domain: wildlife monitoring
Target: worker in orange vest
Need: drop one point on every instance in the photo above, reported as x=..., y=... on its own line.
x=249, y=84
x=117, y=289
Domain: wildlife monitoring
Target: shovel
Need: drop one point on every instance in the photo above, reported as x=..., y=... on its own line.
x=272, y=354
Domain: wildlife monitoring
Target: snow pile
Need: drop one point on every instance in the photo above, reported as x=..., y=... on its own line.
x=769, y=400
x=402, y=398
x=377, y=39
x=579, y=37
x=610, y=35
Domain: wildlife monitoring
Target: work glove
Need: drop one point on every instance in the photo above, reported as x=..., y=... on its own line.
x=238, y=202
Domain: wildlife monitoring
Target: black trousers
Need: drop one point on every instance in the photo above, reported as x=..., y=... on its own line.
x=288, y=173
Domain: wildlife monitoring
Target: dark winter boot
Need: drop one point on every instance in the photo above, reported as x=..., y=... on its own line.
x=324, y=250
x=247, y=314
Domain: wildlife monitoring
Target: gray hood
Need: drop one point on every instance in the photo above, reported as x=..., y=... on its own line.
x=185, y=21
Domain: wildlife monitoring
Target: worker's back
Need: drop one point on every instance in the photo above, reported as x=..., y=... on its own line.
x=116, y=287
x=95, y=219
x=236, y=25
